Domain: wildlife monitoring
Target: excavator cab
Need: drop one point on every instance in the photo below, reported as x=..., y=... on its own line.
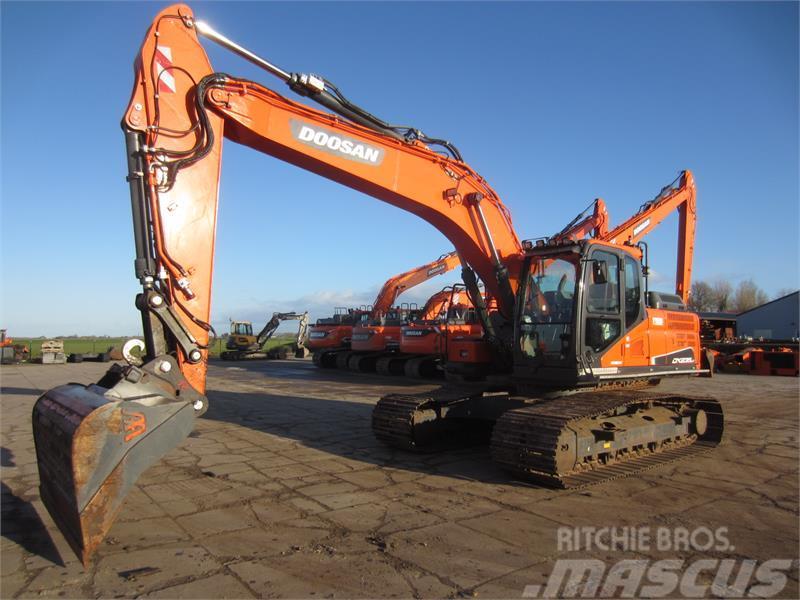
x=582, y=319
x=241, y=328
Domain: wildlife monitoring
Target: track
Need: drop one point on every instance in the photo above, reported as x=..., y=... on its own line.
x=414, y=421
x=529, y=441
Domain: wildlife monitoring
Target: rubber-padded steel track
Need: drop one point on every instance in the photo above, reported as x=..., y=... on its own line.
x=525, y=440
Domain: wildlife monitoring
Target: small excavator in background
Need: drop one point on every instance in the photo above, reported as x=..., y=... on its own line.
x=243, y=345
x=575, y=341
x=10, y=352
x=331, y=340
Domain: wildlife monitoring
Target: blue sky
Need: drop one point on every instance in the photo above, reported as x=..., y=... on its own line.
x=553, y=103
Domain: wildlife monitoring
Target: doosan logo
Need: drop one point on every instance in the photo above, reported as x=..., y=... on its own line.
x=436, y=269
x=337, y=144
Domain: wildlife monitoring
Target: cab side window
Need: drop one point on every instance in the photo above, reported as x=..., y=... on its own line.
x=633, y=292
x=603, y=324
x=603, y=285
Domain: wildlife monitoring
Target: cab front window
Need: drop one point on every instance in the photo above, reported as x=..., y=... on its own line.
x=242, y=329
x=547, y=315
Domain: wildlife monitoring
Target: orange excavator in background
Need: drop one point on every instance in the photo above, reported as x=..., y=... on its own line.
x=448, y=314
x=332, y=341
x=376, y=342
x=329, y=335
x=572, y=328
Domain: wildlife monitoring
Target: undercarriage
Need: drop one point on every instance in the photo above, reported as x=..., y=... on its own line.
x=561, y=439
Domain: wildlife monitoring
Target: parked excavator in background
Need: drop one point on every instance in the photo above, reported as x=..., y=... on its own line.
x=449, y=314
x=243, y=345
x=332, y=334
x=332, y=339
x=573, y=339
x=376, y=342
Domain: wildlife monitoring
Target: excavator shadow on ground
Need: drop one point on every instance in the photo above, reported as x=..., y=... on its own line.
x=304, y=372
x=21, y=522
x=343, y=429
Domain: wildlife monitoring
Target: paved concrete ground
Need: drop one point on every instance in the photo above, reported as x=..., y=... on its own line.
x=283, y=492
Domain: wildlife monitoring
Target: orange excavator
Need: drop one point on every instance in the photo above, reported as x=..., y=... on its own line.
x=572, y=327
x=326, y=354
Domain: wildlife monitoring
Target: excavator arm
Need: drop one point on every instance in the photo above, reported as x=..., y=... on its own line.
x=405, y=281
x=94, y=441
x=594, y=224
x=277, y=318
x=680, y=195
x=269, y=329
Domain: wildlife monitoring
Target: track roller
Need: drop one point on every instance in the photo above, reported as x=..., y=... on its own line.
x=422, y=367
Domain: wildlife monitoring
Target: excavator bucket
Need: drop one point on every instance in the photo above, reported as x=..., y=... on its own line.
x=91, y=446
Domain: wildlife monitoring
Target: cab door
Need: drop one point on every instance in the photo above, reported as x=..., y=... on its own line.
x=634, y=349
x=602, y=304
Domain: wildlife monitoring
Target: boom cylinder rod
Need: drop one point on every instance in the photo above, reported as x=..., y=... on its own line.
x=203, y=29
x=321, y=96
x=507, y=294
x=476, y=203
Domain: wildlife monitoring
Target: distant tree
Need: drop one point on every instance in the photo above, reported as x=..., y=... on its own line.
x=701, y=298
x=721, y=291
x=748, y=295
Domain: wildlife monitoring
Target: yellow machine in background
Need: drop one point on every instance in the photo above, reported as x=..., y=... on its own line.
x=242, y=344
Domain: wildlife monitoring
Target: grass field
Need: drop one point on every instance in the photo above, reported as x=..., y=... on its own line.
x=86, y=345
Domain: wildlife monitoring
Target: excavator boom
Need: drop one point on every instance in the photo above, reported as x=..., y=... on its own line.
x=277, y=318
